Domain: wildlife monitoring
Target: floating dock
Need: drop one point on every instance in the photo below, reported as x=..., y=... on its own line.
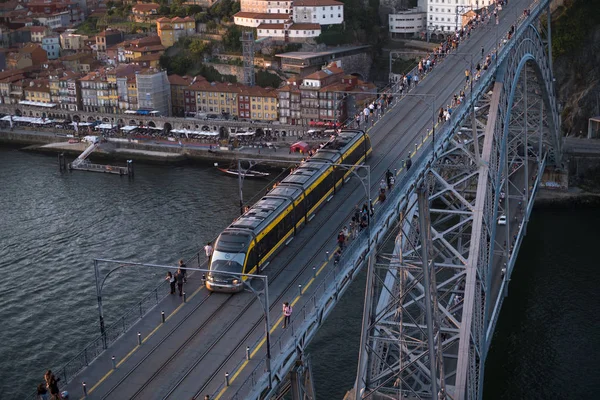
x=82, y=164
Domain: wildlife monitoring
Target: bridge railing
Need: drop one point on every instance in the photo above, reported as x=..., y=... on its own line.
x=315, y=307
x=124, y=323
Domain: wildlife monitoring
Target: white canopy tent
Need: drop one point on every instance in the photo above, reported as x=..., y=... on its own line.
x=31, y=120
x=104, y=126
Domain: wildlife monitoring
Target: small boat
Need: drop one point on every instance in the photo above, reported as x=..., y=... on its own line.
x=246, y=174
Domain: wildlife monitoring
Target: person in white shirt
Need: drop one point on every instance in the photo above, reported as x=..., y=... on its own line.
x=208, y=249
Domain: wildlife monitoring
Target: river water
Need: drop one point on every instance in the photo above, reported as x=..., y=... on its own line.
x=52, y=225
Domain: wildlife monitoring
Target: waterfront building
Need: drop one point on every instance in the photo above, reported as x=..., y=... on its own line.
x=99, y=90
x=51, y=45
x=263, y=103
x=65, y=90
x=38, y=91
x=154, y=91
x=180, y=102
x=321, y=96
x=290, y=102
x=171, y=29
x=216, y=97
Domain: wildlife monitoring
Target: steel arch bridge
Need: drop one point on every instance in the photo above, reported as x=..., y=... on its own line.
x=435, y=289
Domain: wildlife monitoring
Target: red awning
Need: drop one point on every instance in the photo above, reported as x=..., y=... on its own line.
x=300, y=146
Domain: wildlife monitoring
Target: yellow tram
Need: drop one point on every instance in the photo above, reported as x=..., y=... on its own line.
x=248, y=244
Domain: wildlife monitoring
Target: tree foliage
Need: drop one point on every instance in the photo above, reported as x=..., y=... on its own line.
x=184, y=64
x=88, y=27
x=573, y=25
x=231, y=39
x=361, y=25
x=267, y=79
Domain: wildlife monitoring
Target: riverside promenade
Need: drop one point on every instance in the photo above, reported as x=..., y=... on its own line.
x=158, y=151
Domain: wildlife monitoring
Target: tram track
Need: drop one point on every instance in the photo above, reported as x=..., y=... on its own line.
x=289, y=286
x=274, y=275
x=377, y=164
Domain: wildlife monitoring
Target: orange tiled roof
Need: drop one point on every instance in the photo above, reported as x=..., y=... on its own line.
x=145, y=7
x=305, y=27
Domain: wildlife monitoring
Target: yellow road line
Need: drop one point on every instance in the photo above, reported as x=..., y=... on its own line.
x=143, y=341
x=273, y=328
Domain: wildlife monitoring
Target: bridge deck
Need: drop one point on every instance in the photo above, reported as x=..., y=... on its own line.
x=206, y=337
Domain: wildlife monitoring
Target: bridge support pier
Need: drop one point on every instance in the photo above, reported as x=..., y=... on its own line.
x=301, y=380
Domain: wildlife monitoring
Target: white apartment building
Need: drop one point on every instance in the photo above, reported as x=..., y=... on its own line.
x=288, y=30
x=322, y=12
x=446, y=15
x=289, y=19
x=406, y=23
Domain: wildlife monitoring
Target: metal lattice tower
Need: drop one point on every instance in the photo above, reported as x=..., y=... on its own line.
x=247, y=40
x=432, y=304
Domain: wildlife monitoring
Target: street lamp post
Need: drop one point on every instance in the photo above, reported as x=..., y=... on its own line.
x=364, y=180
x=99, y=287
x=265, y=306
x=265, y=291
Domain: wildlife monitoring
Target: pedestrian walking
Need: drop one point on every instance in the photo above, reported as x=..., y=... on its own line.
x=337, y=256
x=482, y=51
x=467, y=73
x=208, y=249
x=341, y=239
x=287, y=314
x=388, y=177
x=183, y=269
x=408, y=163
x=353, y=226
x=52, y=384
x=171, y=280
x=346, y=233
x=180, y=279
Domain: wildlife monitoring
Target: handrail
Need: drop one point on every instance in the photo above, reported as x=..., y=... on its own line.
x=383, y=215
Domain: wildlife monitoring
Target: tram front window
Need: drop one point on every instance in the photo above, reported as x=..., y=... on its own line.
x=228, y=257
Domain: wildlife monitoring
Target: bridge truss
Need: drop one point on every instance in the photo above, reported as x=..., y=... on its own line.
x=433, y=301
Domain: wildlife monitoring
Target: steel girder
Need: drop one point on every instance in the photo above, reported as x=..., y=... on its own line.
x=491, y=159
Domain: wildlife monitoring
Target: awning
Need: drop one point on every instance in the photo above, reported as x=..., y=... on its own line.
x=104, y=126
x=82, y=123
x=31, y=120
x=36, y=103
x=300, y=146
x=188, y=132
x=128, y=128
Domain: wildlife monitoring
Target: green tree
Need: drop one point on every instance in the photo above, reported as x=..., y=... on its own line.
x=231, y=39
x=267, y=79
x=199, y=47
